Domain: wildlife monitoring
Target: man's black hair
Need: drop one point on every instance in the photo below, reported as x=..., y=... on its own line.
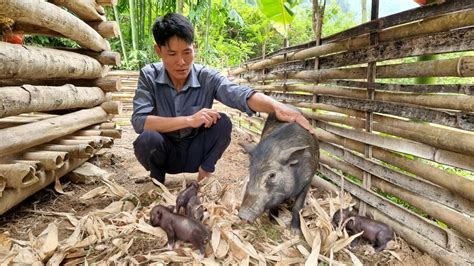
x=170, y=25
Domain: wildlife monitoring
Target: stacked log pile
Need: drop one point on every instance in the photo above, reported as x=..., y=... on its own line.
x=380, y=137
x=54, y=102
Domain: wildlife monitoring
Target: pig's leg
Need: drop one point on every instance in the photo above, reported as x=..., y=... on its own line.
x=299, y=203
x=273, y=213
x=381, y=241
x=171, y=239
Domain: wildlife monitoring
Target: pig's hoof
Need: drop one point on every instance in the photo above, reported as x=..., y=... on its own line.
x=296, y=231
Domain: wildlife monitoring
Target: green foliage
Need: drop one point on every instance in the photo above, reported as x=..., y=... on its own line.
x=280, y=12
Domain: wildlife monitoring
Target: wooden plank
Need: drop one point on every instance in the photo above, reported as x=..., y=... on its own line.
x=418, y=88
x=444, y=42
x=401, y=18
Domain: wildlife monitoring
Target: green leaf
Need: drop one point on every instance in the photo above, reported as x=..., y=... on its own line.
x=278, y=11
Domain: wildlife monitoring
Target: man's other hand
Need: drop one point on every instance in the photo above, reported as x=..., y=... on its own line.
x=286, y=114
x=205, y=116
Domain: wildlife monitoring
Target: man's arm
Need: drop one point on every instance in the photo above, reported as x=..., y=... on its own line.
x=260, y=102
x=205, y=116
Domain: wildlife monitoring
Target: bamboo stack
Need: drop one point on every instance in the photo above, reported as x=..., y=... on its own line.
x=412, y=142
x=126, y=94
x=55, y=104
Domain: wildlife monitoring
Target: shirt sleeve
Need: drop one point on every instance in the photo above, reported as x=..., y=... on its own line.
x=229, y=93
x=143, y=101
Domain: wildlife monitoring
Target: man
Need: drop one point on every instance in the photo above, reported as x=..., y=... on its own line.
x=179, y=132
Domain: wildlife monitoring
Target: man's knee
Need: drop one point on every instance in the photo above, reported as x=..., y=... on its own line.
x=145, y=143
x=224, y=125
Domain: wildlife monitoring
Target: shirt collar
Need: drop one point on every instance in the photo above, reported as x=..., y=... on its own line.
x=192, y=80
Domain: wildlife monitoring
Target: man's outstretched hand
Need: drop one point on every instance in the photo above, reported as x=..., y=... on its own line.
x=286, y=114
x=205, y=116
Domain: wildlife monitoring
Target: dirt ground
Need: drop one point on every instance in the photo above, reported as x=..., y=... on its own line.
x=31, y=217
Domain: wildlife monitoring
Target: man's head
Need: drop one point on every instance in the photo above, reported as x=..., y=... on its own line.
x=174, y=37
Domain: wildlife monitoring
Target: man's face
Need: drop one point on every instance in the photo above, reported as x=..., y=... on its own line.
x=177, y=57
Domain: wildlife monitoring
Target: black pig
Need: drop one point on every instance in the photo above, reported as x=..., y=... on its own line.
x=194, y=209
x=179, y=227
x=375, y=232
x=282, y=166
x=184, y=195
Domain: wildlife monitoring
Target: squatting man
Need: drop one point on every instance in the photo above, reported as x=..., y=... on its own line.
x=172, y=108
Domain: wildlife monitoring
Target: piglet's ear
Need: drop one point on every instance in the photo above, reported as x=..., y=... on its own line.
x=290, y=156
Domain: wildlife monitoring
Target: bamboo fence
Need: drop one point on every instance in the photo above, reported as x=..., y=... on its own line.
x=380, y=139
x=55, y=104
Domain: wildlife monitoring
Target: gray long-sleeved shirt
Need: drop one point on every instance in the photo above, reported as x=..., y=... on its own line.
x=156, y=95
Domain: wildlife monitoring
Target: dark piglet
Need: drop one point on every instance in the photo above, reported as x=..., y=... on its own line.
x=194, y=209
x=179, y=227
x=282, y=166
x=184, y=195
x=375, y=232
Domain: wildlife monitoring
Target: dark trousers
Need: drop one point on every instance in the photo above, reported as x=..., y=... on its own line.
x=160, y=154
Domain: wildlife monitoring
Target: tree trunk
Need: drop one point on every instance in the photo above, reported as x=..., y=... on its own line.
x=107, y=84
x=47, y=15
x=84, y=9
x=30, y=135
x=17, y=61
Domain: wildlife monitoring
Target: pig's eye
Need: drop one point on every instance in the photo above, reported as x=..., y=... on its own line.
x=271, y=175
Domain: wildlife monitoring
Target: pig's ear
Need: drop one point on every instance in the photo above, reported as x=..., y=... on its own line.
x=291, y=155
x=248, y=147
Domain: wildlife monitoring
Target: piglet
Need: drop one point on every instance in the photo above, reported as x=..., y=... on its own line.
x=184, y=195
x=179, y=227
x=194, y=209
x=375, y=232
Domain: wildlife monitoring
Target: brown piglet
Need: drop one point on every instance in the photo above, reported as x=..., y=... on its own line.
x=179, y=227
x=375, y=232
x=194, y=209
x=184, y=195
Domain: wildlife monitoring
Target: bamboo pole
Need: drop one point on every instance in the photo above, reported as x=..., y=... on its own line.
x=27, y=98
x=47, y=15
x=453, y=102
x=456, y=67
x=12, y=197
x=30, y=135
x=398, y=178
x=452, y=182
x=432, y=25
x=447, y=256
x=113, y=133
x=17, y=61
x=444, y=238
x=96, y=144
x=50, y=160
x=18, y=175
x=75, y=151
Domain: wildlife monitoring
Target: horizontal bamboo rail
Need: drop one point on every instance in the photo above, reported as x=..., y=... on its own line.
x=460, y=250
x=442, y=23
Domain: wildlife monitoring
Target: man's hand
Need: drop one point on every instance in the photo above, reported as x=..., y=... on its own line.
x=206, y=117
x=286, y=114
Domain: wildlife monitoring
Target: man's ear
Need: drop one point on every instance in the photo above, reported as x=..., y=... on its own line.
x=157, y=50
